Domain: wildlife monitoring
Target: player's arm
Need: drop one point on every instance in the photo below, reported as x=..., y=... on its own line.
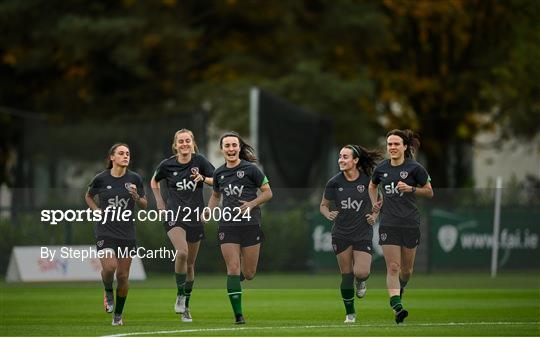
x=201, y=178
x=264, y=196
x=156, y=190
x=90, y=201
x=208, y=169
x=134, y=189
x=420, y=175
x=374, y=197
x=141, y=201
x=214, y=200
x=324, y=208
x=425, y=191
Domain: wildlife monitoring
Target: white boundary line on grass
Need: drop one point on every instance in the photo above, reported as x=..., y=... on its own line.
x=311, y=327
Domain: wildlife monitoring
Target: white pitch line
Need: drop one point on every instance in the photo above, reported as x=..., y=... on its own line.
x=311, y=327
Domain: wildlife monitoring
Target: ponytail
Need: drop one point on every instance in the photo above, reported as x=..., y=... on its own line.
x=367, y=159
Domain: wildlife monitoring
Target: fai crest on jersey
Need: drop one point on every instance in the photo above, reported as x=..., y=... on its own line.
x=172, y=223
x=128, y=186
x=195, y=170
x=361, y=188
x=221, y=236
x=403, y=174
x=100, y=243
x=383, y=237
x=240, y=173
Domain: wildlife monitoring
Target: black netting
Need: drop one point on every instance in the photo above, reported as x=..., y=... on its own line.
x=294, y=144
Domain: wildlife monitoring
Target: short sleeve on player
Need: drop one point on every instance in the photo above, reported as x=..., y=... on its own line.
x=421, y=175
x=159, y=174
x=207, y=169
x=140, y=186
x=215, y=186
x=93, y=189
x=329, y=191
x=257, y=176
x=376, y=177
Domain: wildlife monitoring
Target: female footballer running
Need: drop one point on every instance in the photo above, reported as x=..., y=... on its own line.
x=117, y=188
x=352, y=232
x=185, y=172
x=402, y=179
x=239, y=219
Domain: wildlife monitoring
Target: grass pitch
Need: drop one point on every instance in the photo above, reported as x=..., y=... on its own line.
x=453, y=304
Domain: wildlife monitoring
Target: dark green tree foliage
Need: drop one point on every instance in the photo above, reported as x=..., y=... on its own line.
x=444, y=68
x=69, y=59
x=454, y=68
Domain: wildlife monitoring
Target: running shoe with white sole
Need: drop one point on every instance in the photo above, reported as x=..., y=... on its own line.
x=117, y=320
x=186, y=316
x=350, y=318
x=180, y=305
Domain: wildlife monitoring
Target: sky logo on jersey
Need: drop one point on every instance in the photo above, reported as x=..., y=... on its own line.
x=234, y=190
x=186, y=185
x=392, y=189
x=350, y=204
x=118, y=202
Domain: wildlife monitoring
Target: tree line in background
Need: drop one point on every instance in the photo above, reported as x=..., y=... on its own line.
x=447, y=69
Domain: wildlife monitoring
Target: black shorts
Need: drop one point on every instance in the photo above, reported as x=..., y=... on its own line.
x=193, y=233
x=116, y=244
x=406, y=237
x=245, y=235
x=339, y=245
